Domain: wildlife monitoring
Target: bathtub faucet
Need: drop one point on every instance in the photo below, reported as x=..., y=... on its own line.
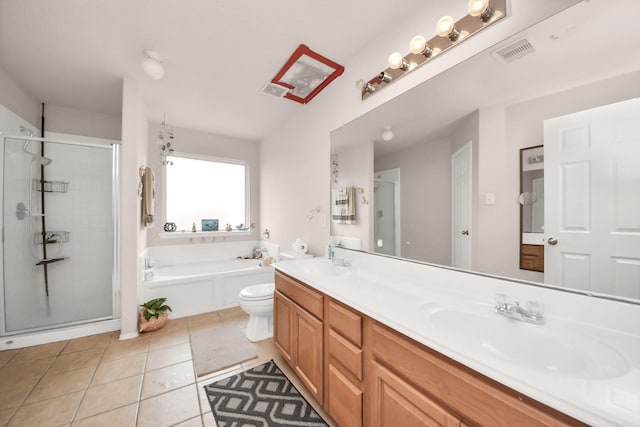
x=534, y=313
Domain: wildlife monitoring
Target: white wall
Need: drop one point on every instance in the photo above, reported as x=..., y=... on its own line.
x=78, y=122
x=296, y=157
x=133, y=235
x=195, y=142
x=19, y=101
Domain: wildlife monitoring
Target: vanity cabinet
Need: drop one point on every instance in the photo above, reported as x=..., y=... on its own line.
x=344, y=364
x=364, y=373
x=407, y=381
x=299, y=331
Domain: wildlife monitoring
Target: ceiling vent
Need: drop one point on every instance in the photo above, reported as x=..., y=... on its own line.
x=274, y=90
x=514, y=51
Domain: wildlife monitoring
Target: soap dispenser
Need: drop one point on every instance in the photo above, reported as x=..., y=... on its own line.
x=330, y=249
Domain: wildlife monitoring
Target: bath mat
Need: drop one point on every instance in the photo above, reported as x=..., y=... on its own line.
x=261, y=396
x=218, y=348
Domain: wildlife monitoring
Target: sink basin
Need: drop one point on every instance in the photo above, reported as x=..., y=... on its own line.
x=545, y=348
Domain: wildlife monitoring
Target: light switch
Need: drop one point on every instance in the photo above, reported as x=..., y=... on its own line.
x=489, y=199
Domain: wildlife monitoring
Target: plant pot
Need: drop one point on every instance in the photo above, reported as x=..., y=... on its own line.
x=154, y=323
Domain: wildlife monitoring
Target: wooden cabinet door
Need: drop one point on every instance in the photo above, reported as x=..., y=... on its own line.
x=283, y=326
x=397, y=403
x=308, y=351
x=345, y=399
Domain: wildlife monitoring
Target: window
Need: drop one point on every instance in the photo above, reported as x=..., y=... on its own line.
x=206, y=188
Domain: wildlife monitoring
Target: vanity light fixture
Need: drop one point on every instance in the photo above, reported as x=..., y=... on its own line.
x=446, y=27
x=449, y=33
x=152, y=64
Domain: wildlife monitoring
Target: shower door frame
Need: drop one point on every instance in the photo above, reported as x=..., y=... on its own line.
x=115, y=209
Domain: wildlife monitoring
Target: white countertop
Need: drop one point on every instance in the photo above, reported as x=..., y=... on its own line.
x=584, y=361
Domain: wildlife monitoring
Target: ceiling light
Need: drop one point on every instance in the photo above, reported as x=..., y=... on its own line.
x=387, y=134
x=446, y=27
x=152, y=65
x=396, y=61
x=481, y=9
x=419, y=46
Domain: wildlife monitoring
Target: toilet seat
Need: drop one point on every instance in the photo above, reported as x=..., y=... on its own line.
x=258, y=292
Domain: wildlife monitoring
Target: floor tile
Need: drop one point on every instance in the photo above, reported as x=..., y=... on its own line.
x=5, y=415
x=6, y=356
x=168, y=356
x=126, y=348
x=18, y=369
x=167, y=379
x=53, y=385
x=121, y=417
x=13, y=393
x=92, y=342
x=106, y=397
x=52, y=412
x=169, y=339
x=77, y=360
x=193, y=422
x=170, y=408
x=117, y=369
x=208, y=420
x=43, y=351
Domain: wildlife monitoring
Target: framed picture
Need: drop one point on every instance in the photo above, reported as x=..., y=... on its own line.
x=209, y=224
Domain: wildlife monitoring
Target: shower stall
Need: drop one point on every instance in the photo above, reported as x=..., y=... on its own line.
x=58, y=234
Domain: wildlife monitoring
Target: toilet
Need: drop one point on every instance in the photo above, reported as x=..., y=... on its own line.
x=257, y=302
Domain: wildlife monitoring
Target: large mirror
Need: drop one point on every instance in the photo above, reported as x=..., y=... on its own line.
x=443, y=182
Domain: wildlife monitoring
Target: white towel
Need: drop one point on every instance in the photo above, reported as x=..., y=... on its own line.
x=343, y=205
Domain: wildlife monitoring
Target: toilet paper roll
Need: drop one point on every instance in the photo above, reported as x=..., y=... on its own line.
x=300, y=246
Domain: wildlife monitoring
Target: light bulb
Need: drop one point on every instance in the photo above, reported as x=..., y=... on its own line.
x=396, y=61
x=365, y=86
x=418, y=45
x=446, y=28
x=361, y=84
x=480, y=8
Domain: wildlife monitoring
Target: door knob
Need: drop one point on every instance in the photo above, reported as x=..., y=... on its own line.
x=465, y=232
x=552, y=241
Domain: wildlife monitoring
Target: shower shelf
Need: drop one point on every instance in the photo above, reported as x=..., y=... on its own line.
x=52, y=237
x=51, y=186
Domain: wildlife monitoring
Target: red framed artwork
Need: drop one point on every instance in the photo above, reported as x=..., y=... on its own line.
x=306, y=73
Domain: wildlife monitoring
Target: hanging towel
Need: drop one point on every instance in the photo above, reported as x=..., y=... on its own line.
x=148, y=197
x=343, y=205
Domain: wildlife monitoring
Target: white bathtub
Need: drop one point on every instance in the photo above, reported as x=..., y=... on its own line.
x=202, y=286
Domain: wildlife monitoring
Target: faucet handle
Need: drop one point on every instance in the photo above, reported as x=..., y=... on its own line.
x=502, y=300
x=535, y=308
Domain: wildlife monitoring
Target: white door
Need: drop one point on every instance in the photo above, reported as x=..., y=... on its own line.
x=384, y=221
x=461, y=179
x=592, y=200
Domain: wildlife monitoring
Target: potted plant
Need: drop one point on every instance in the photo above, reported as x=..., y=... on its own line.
x=154, y=314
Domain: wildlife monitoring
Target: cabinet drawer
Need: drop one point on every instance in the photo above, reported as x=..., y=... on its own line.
x=344, y=399
x=345, y=354
x=346, y=321
x=305, y=297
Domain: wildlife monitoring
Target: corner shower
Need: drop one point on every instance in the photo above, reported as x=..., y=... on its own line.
x=58, y=233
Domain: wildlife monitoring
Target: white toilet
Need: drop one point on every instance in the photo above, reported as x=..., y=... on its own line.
x=257, y=302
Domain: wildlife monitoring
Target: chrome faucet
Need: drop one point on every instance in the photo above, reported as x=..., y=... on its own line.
x=342, y=262
x=533, y=313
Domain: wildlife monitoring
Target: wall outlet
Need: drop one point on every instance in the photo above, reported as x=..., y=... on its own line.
x=489, y=199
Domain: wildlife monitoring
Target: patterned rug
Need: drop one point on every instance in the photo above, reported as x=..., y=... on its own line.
x=261, y=396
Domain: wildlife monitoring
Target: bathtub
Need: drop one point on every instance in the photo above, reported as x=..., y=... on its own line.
x=207, y=284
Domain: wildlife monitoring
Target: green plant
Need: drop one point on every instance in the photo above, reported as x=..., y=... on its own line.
x=154, y=307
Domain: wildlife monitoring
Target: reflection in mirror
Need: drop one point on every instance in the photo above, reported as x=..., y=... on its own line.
x=497, y=118
x=531, y=201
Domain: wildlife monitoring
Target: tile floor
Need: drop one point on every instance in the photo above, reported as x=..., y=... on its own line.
x=101, y=381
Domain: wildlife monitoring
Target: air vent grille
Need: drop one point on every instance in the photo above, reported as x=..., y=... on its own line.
x=273, y=89
x=516, y=50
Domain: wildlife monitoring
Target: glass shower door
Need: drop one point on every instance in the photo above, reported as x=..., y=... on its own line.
x=58, y=234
